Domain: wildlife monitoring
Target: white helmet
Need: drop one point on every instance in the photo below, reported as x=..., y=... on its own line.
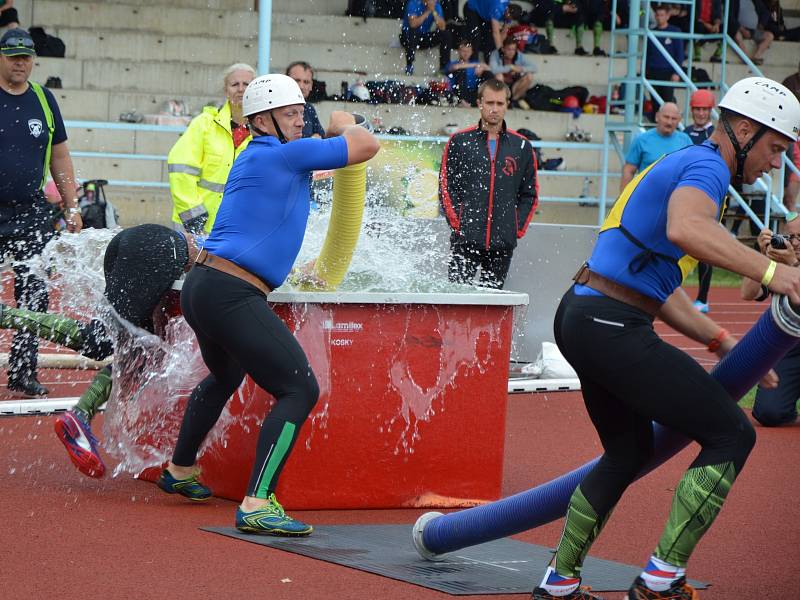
x=767, y=102
x=270, y=91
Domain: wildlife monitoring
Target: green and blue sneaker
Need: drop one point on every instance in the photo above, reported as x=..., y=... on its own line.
x=191, y=488
x=270, y=519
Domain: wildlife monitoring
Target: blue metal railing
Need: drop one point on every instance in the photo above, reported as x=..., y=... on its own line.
x=74, y=124
x=636, y=76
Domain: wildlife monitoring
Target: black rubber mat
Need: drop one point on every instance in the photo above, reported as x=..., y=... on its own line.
x=500, y=567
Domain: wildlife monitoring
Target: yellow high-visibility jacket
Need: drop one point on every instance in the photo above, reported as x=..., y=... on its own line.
x=199, y=163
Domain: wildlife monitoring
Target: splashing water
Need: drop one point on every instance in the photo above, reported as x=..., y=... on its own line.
x=152, y=378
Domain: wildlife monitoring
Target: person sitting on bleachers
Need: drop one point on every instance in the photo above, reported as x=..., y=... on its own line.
x=656, y=66
x=778, y=26
x=465, y=74
x=424, y=27
x=9, y=19
x=485, y=23
x=755, y=23
x=707, y=21
x=651, y=145
x=515, y=69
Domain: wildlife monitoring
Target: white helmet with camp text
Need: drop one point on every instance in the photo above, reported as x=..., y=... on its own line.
x=767, y=102
x=270, y=91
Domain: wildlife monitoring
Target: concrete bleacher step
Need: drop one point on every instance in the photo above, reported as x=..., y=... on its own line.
x=123, y=169
x=198, y=4
x=137, y=205
x=115, y=44
x=163, y=17
x=126, y=141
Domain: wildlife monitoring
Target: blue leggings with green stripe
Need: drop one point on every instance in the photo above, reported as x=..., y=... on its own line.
x=239, y=334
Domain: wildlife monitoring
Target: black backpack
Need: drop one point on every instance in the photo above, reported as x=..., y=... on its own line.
x=46, y=44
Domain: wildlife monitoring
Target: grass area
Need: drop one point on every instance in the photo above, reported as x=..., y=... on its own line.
x=719, y=278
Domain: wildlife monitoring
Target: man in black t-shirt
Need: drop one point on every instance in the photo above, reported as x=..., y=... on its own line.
x=34, y=141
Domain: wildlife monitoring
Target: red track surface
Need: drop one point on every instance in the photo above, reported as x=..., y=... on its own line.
x=68, y=536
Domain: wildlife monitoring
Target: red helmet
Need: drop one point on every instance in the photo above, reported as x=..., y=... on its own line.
x=571, y=102
x=702, y=99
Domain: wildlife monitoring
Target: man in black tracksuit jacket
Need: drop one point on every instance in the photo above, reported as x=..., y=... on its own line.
x=488, y=191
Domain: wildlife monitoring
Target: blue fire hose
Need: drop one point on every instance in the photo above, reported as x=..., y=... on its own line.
x=774, y=334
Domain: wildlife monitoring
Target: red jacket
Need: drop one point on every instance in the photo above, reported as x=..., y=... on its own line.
x=488, y=202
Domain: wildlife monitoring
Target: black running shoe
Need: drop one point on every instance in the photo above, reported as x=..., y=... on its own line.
x=680, y=590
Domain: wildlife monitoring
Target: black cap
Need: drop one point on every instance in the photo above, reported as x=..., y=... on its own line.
x=17, y=42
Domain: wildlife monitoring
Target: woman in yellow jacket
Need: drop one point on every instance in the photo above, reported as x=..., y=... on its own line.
x=201, y=159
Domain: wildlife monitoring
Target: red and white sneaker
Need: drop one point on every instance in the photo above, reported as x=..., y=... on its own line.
x=74, y=431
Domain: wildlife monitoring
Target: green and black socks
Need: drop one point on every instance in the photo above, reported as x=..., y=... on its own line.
x=96, y=394
x=54, y=328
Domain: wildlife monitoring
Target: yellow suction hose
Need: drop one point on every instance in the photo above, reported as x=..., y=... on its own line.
x=349, y=192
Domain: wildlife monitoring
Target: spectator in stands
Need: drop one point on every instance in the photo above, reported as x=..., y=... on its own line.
x=648, y=147
x=515, y=69
x=793, y=82
x=755, y=23
x=544, y=13
x=701, y=104
x=465, y=74
x=577, y=15
x=488, y=191
x=424, y=27
x=657, y=66
x=708, y=21
x=33, y=141
x=484, y=24
x=303, y=74
x=792, y=188
x=778, y=406
x=200, y=160
x=9, y=19
x=790, y=191
x=778, y=26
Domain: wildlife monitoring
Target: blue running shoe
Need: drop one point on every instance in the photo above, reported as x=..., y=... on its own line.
x=190, y=488
x=270, y=519
x=701, y=306
x=73, y=429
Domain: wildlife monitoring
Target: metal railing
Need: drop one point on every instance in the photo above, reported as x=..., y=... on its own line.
x=637, y=83
x=75, y=124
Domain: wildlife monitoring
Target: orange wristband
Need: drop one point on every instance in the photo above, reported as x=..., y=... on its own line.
x=716, y=341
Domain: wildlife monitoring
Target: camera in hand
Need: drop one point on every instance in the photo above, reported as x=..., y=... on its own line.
x=778, y=241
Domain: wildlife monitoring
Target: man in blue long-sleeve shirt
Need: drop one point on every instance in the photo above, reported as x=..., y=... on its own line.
x=656, y=66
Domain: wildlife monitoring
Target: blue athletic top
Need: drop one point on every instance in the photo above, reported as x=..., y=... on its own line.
x=262, y=219
x=649, y=146
x=23, y=143
x=415, y=8
x=642, y=210
x=489, y=9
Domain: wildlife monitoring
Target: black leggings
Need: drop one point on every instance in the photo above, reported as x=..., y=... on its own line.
x=238, y=333
x=466, y=257
x=24, y=232
x=630, y=377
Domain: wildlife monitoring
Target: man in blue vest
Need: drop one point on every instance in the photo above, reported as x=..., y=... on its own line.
x=34, y=141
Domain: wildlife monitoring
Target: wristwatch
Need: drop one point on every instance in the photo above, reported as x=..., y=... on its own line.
x=74, y=210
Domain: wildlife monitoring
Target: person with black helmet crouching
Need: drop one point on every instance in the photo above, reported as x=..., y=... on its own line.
x=254, y=242
x=665, y=220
